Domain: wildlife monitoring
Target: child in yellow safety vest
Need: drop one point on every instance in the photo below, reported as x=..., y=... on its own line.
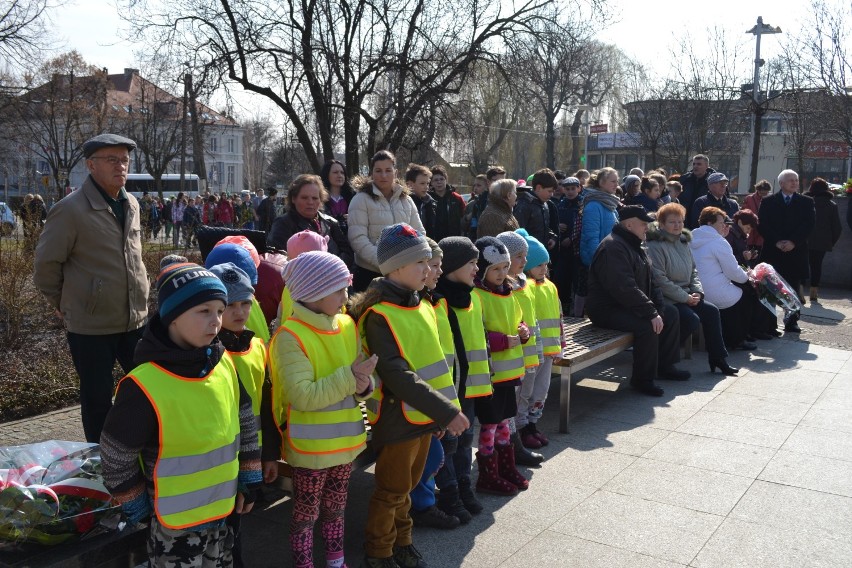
x=473, y=375
x=248, y=354
x=414, y=397
x=548, y=313
x=507, y=335
x=318, y=376
x=522, y=290
x=181, y=440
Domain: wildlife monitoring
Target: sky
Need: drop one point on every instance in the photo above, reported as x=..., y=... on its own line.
x=646, y=30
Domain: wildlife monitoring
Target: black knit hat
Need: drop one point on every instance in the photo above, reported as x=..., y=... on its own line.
x=491, y=252
x=458, y=251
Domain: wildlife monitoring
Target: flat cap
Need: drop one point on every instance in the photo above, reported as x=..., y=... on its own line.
x=634, y=212
x=716, y=177
x=92, y=145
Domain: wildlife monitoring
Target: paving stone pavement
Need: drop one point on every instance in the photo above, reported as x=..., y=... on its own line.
x=753, y=471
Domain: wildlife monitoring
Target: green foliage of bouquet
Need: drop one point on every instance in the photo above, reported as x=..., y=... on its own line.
x=51, y=493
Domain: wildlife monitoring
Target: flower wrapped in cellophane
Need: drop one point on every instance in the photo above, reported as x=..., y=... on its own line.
x=52, y=493
x=773, y=290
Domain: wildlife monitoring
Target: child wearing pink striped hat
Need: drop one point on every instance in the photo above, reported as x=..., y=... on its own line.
x=326, y=376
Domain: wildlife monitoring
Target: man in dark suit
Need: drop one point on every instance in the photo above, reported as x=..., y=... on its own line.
x=786, y=220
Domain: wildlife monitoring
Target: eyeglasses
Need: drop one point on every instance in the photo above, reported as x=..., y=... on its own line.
x=112, y=160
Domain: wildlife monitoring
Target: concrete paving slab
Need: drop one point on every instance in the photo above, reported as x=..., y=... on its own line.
x=590, y=432
x=739, y=544
x=488, y=548
x=712, y=454
x=835, y=398
x=795, y=508
x=771, y=409
x=590, y=468
x=810, y=472
x=820, y=442
x=794, y=385
x=554, y=549
x=680, y=485
x=655, y=529
x=532, y=512
x=662, y=416
x=839, y=419
x=737, y=429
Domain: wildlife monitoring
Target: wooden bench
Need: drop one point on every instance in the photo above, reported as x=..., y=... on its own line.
x=585, y=345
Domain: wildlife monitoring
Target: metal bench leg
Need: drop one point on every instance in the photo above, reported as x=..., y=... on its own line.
x=564, y=399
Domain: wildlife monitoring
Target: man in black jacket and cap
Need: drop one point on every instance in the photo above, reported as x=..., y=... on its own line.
x=622, y=296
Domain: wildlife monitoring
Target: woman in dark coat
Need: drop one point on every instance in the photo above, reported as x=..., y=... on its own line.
x=305, y=199
x=340, y=191
x=826, y=231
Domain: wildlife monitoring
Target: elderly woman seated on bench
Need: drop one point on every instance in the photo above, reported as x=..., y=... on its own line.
x=677, y=278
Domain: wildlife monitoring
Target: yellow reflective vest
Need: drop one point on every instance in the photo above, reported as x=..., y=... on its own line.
x=286, y=307
x=526, y=299
x=503, y=315
x=257, y=321
x=416, y=333
x=195, y=475
x=338, y=427
x=475, y=348
x=251, y=368
x=445, y=332
x=549, y=312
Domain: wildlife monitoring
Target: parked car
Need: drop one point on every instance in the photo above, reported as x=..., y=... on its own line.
x=8, y=224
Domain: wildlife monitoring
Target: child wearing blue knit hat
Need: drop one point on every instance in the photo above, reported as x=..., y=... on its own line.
x=182, y=426
x=548, y=312
x=230, y=252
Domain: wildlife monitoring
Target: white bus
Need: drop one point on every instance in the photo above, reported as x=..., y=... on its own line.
x=139, y=183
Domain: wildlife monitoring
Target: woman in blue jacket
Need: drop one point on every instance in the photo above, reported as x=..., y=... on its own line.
x=598, y=214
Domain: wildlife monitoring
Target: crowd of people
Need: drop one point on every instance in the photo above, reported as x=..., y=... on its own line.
x=453, y=319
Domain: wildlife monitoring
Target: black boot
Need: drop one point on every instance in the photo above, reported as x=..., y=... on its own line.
x=448, y=501
x=791, y=323
x=468, y=497
x=523, y=456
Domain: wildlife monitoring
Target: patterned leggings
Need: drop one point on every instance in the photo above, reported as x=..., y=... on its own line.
x=319, y=494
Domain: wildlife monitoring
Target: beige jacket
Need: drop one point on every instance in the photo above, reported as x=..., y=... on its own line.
x=368, y=215
x=88, y=269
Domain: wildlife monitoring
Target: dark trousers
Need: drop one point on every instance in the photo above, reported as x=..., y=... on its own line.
x=815, y=258
x=361, y=278
x=651, y=352
x=736, y=320
x=94, y=358
x=459, y=458
x=706, y=315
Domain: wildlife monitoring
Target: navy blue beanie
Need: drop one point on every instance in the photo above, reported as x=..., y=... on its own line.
x=181, y=286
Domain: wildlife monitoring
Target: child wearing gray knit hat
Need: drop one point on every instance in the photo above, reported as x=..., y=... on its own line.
x=236, y=282
x=400, y=245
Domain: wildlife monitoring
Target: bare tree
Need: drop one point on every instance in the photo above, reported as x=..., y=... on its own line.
x=66, y=108
x=352, y=67
x=24, y=30
x=257, y=145
x=825, y=53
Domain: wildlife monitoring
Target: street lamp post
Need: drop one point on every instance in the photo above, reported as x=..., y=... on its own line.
x=758, y=106
x=587, y=124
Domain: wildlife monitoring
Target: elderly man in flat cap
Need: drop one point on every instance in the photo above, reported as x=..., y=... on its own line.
x=88, y=264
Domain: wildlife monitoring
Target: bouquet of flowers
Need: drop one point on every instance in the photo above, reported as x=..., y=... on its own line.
x=774, y=290
x=51, y=493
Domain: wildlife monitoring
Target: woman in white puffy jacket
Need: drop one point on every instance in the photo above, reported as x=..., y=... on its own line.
x=718, y=271
x=379, y=203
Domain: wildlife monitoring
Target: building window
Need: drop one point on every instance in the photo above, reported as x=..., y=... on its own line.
x=214, y=144
x=230, y=182
x=232, y=145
